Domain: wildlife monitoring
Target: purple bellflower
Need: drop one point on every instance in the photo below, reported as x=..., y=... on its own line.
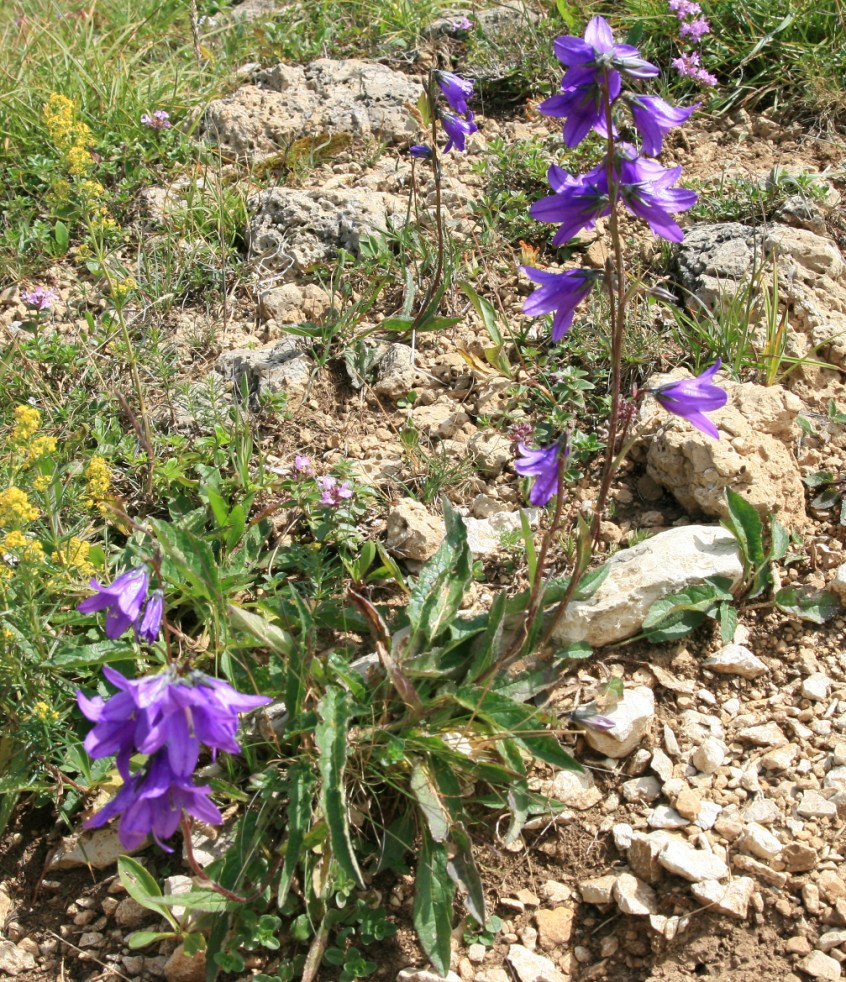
x=598, y=51
x=123, y=601
x=167, y=717
x=421, y=151
x=588, y=716
x=456, y=90
x=542, y=465
x=576, y=205
x=457, y=130
x=559, y=292
x=649, y=193
x=692, y=398
x=581, y=102
x=151, y=620
x=151, y=802
x=653, y=117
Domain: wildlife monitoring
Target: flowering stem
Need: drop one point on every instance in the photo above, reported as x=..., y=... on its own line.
x=439, y=222
x=197, y=870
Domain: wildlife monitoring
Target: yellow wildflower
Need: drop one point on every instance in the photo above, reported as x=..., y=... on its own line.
x=26, y=550
x=15, y=507
x=41, y=710
x=74, y=555
x=40, y=447
x=98, y=480
x=42, y=482
x=92, y=189
x=6, y=573
x=59, y=112
x=27, y=421
x=122, y=288
x=78, y=159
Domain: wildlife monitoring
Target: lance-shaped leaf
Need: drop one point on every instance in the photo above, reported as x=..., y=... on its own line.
x=434, y=891
x=300, y=785
x=330, y=736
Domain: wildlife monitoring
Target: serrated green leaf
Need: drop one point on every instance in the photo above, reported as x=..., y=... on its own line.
x=300, y=799
x=779, y=540
x=330, y=737
x=434, y=891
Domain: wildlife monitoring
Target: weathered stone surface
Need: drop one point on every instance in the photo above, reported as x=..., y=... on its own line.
x=693, y=864
x=363, y=99
x=555, y=927
x=14, y=960
x=736, y=659
x=531, y=967
x=413, y=532
x=663, y=564
x=99, y=848
x=729, y=898
x=293, y=303
x=574, y=788
x=752, y=456
x=632, y=716
x=277, y=367
x=598, y=889
x=395, y=372
x=760, y=842
x=291, y=229
x=634, y=897
x=820, y=966
x=425, y=975
x=709, y=756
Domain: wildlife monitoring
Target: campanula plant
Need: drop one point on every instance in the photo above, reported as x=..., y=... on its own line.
x=600, y=92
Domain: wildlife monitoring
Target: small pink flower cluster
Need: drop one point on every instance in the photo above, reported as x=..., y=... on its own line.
x=692, y=28
x=160, y=120
x=331, y=492
x=41, y=298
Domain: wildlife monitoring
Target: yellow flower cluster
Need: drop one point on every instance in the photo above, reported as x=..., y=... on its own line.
x=26, y=550
x=70, y=135
x=98, y=480
x=41, y=710
x=122, y=288
x=16, y=508
x=74, y=556
x=27, y=421
x=41, y=446
x=42, y=482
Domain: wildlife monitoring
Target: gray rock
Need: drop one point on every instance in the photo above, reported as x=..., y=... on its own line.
x=736, y=659
x=815, y=687
x=575, y=789
x=395, y=372
x=277, y=367
x=491, y=452
x=291, y=229
x=598, y=890
x=185, y=968
x=632, y=717
x=294, y=303
x=362, y=99
x=838, y=582
x=99, y=848
x=641, y=789
x=692, y=864
x=413, y=532
x=709, y=756
x=760, y=842
x=813, y=805
x=728, y=898
x=531, y=967
x=663, y=564
x=665, y=817
x=14, y=960
x=820, y=966
x=424, y=975
x=634, y=897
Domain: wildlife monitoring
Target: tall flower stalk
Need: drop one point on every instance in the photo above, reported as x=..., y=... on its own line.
x=592, y=94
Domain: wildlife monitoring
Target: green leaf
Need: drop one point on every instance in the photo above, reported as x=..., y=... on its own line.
x=529, y=545
x=398, y=323
x=397, y=842
x=827, y=499
x=237, y=524
x=193, y=557
x=816, y=606
x=62, y=237
x=263, y=631
x=779, y=540
x=530, y=682
x=330, y=737
x=142, y=887
x=437, y=595
x=426, y=794
x=568, y=14
x=818, y=479
x=678, y=614
x=591, y=582
x=193, y=943
x=486, y=647
x=518, y=790
x=745, y=524
x=465, y=874
x=485, y=309
x=728, y=622
x=140, y=939
x=434, y=891
x=92, y=655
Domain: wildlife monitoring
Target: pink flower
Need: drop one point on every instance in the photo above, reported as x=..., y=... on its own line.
x=160, y=120
x=41, y=298
x=302, y=465
x=333, y=493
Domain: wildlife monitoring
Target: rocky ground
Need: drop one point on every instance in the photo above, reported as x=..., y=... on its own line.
x=704, y=838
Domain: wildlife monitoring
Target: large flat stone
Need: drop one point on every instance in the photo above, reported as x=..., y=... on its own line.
x=664, y=564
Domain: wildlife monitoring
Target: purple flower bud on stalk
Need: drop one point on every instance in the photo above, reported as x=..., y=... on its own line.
x=41, y=298
x=151, y=621
x=122, y=601
x=689, y=65
x=691, y=398
x=542, y=465
x=421, y=151
x=587, y=716
x=457, y=130
x=654, y=117
x=559, y=292
x=456, y=90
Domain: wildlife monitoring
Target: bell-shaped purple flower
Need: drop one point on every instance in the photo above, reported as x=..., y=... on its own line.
x=456, y=90
x=653, y=117
x=151, y=803
x=692, y=398
x=542, y=465
x=457, y=130
x=559, y=292
x=420, y=151
x=122, y=601
x=576, y=205
x=598, y=51
x=581, y=103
